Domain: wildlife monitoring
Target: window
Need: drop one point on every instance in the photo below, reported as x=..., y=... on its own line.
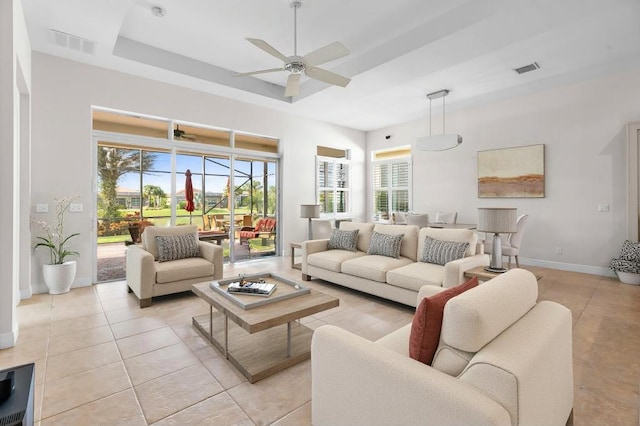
x=391, y=183
x=333, y=177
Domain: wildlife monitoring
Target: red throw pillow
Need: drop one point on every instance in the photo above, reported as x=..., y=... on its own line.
x=427, y=322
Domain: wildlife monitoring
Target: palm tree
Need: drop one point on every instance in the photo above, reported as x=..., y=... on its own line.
x=113, y=163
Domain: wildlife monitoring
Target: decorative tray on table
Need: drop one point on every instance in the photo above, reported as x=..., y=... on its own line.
x=268, y=287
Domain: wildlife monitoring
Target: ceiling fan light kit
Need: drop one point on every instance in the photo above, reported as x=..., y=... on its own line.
x=438, y=142
x=307, y=64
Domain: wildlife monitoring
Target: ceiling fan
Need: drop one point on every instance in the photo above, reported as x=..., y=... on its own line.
x=307, y=64
x=181, y=134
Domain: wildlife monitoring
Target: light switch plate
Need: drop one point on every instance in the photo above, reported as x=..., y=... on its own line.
x=42, y=208
x=75, y=207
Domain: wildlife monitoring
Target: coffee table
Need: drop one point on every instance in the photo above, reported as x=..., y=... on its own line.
x=265, y=339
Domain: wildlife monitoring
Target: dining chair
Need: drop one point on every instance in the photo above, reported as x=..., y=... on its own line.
x=511, y=244
x=446, y=217
x=421, y=220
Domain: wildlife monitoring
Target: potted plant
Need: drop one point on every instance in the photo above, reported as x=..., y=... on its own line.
x=627, y=266
x=59, y=273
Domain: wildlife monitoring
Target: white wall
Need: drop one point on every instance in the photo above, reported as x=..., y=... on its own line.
x=64, y=92
x=582, y=126
x=15, y=80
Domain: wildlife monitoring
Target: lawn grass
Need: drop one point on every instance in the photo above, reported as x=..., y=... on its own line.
x=114, y=239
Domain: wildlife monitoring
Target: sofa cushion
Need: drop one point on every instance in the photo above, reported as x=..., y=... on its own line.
x=415, y=275
x=427, y=322
x=343, y=240
x=455, y=235
x=151, y=232
x=183, y=269
x=476, y=317
x=175, y=247
x=409, y=246
x=364, y=233
x=442, y=252
x=385, y=244
x=331, y=260
x=373, y=267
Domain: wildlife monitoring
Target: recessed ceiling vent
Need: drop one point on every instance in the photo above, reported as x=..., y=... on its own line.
x=527, y=68
x=73, y=42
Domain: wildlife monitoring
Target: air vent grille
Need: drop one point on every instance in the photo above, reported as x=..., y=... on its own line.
x=73, y=42
x=527, y=68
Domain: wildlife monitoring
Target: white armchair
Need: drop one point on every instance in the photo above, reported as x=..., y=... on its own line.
x=503, y=359
x=147, y=278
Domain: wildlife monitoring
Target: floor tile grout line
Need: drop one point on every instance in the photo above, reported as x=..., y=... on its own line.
x=83, y=372
x=178, y=370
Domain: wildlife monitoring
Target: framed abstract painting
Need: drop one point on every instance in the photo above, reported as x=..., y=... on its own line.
x=511, y=172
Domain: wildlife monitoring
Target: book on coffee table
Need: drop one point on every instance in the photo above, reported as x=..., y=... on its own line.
x=252, y=288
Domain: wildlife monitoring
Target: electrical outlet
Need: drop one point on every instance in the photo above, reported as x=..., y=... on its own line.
x=75, y=207
x=42, y=208
x=558, y=250
x=603, y=208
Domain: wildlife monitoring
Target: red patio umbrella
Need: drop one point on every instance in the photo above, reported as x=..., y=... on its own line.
x=188, y=194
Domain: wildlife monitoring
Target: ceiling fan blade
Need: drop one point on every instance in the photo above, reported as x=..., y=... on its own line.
x=258, y=72
x=261, y=44
x=327, y=76
x=293, y=85
x=325, y=54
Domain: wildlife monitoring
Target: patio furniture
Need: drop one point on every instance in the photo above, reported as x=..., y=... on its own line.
x=265, y=228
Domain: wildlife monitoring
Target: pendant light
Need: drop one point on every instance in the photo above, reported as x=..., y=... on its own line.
x=438, y=142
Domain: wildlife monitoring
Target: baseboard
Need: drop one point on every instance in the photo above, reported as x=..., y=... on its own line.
x=572, y=267
x=25, y=293
x=8, y=340
x=81, y=282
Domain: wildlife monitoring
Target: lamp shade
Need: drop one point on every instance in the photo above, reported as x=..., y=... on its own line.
x=497, y=220
x=309, y=211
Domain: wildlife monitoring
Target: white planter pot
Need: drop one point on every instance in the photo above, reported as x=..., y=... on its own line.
x=628, y=278
x=59, y=278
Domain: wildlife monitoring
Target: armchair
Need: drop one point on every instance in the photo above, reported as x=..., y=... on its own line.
x=503, y=359
x=147, y=277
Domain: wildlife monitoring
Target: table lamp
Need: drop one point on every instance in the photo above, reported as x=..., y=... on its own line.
x=496, y=220
x=309, y=211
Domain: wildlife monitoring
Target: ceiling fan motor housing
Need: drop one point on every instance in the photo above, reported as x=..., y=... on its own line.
x=295, y=65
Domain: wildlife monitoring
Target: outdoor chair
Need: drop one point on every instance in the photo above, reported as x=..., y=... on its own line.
x=265, y=228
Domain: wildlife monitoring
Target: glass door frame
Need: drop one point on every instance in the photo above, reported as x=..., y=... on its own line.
x=151, y=143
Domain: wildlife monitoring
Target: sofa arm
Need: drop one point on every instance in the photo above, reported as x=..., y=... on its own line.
x=358, y=382
x=312, y=246
x=141, y=272
x=454, y=270
x=214, y=254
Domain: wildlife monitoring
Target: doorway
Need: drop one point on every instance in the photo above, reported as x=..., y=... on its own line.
x=141, y=182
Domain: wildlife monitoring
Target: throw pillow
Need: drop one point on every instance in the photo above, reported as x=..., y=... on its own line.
x=385, y=244
x=176, y=247
x=630, y=251
x=442, y=252
x=343, y=240
x=427, y=322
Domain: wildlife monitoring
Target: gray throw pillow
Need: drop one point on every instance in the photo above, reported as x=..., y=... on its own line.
x=176, y=247
x=441, y=252
x=343, y=240
x=385, y=244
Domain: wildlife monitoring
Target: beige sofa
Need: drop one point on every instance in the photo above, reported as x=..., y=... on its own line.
x=148, y=278
x=503, y=359
x=394, y=279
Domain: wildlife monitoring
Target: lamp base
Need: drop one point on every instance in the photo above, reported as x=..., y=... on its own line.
x=495, y=270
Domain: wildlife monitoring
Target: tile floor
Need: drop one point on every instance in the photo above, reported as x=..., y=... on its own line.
x=102, y=360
